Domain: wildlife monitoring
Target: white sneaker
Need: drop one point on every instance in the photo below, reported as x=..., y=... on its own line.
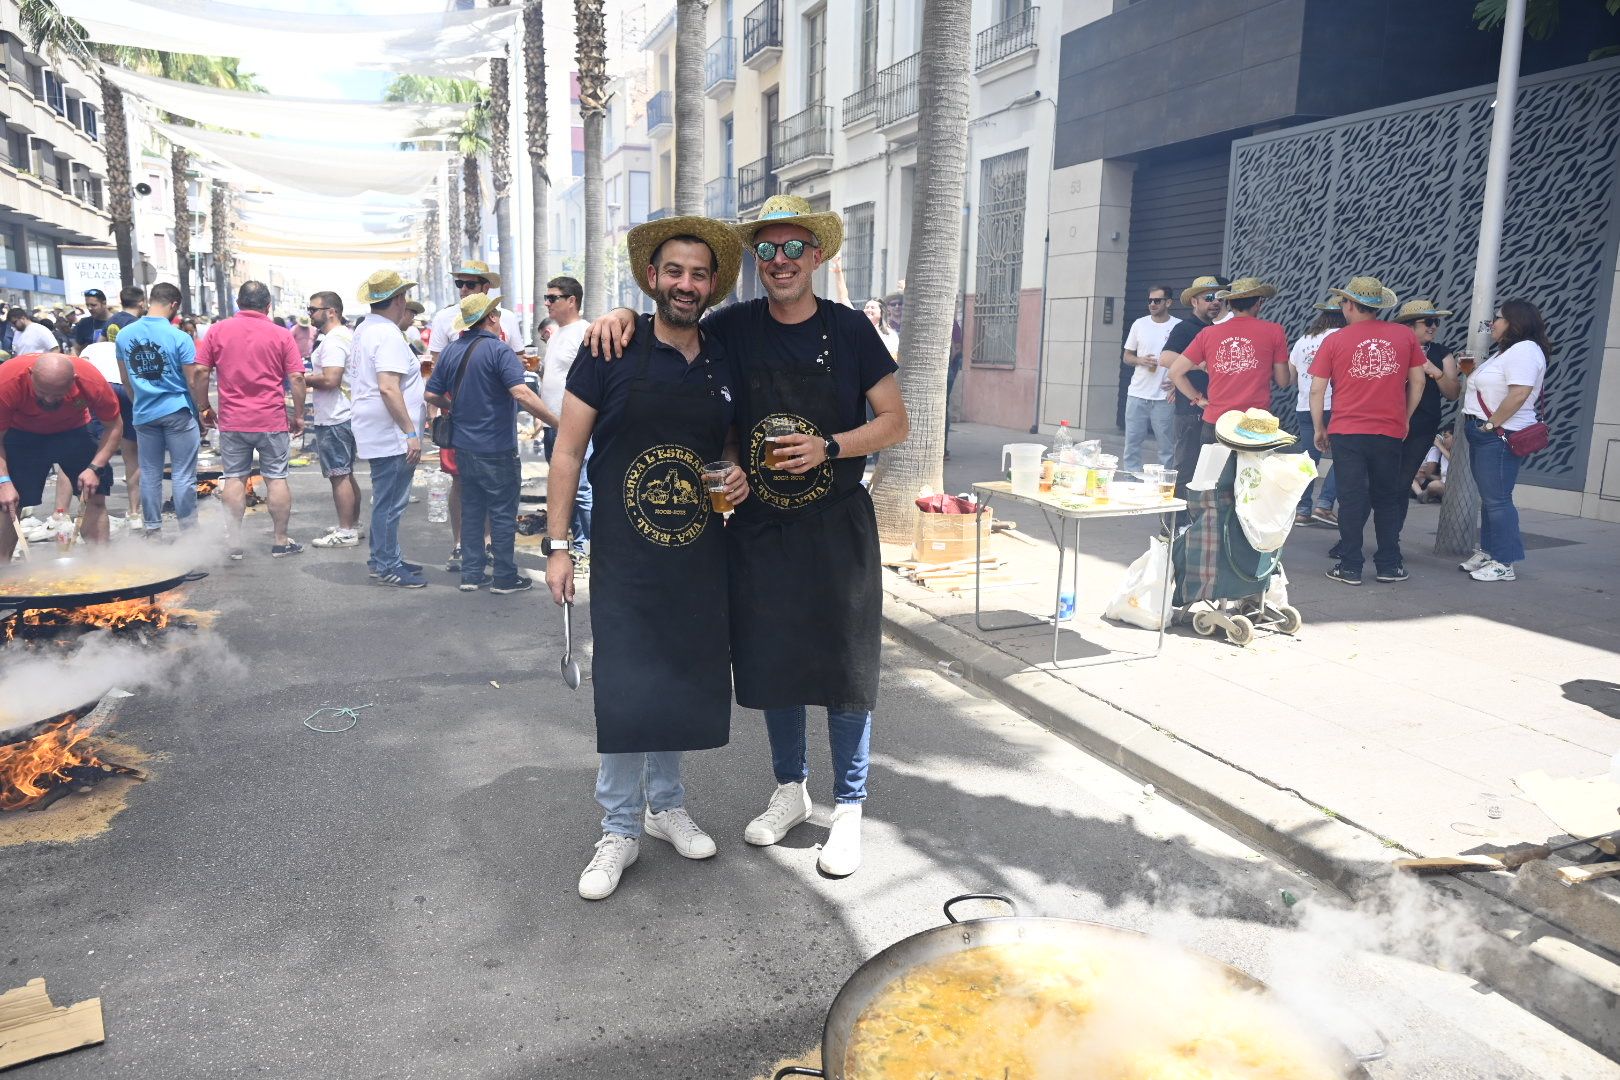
x=789, y=806
x=614, y=854
x=841, y=854
x=679, y=829
x=338, y=538
x=1494, y=571
x=1475, y=561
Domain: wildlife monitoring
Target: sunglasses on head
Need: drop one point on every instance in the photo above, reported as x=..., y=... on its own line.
x=462, y=283
x=552, y=298
x=765, y=251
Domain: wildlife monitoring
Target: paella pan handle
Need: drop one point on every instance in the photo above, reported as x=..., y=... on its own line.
x=195, y=575
x=953, y=901
x=1378, y=1054
x=797, y=1070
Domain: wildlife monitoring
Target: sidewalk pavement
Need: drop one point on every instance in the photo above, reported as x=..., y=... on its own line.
x=1402, y=709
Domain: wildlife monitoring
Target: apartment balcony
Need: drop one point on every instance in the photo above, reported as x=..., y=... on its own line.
x=720, y=68
x=861, y=106
x=762, y=35
x=756, y=182
x=661, y=113
x=720, y=198
x=804, y=144
x=1007, y=46
x=897, y=98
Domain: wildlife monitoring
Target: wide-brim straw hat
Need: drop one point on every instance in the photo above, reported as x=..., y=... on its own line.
x=1202, y=285
x=1244, y=288
x=1256, y=429
x=414, y=307
x=1413, y=310
x=474, y=268
x=1326, y=305
x=1368, y=292
x=825, y=225
x=382, y=286
x=475, y=309
x=645, y=239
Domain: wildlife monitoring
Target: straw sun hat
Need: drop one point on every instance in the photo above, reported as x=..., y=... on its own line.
x=1256, y=429
x=382, y=286
x=1244, y=288
x=645, y=239
x=826, y=226
x=1424, y=308
x=1368, y=292
x=475, y=309
x=474, y=268
x=1202, y=285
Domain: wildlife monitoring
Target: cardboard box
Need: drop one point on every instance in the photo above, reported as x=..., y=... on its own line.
x=944, y=538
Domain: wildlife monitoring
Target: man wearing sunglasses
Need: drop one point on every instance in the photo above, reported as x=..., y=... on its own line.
x=565, y=299
x=1147, y=402
x=805, y=584
x=1207, y=308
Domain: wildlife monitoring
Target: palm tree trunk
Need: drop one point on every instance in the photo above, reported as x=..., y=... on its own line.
x=534, y=79
x=500, y=165
x=932, y=268
x=452, y=206
x=689, y=55
x=120, y=199
x=590, y=32
x=221, y=245
x=179, y=179
x=472, y=207
x=430, y=227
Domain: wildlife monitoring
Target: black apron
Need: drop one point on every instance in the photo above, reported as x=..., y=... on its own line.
x=658, y=604
x=806, y=585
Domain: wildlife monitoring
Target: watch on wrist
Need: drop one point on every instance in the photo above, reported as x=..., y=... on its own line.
x=551, y=546
x=832, y=448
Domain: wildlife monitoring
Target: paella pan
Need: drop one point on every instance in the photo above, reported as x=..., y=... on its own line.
x=78, y=581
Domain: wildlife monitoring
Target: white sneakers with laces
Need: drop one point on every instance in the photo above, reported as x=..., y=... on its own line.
x=614, y=854
x=677, y=827
x=841, y=854
x=1493, y=571
x=1474, y=561
x=789, y=806
x=338, y=538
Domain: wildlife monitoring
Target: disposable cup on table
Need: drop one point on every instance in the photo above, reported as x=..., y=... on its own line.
x=1102, y=484
x=1167, y=483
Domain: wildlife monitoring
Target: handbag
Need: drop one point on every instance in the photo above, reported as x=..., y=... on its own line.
x=1528, y=439
x=441, y=427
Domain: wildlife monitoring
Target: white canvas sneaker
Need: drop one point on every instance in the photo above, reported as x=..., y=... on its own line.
x=789, y=806
x=614, y=854
x=1494, y=571
x=338, y=538
x=679, y=829
x=1474, y=561
x=841, y=854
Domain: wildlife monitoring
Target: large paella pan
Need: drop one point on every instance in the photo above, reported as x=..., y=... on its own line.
x=78, y=581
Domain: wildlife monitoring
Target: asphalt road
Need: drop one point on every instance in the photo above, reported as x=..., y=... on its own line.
x=399, y=900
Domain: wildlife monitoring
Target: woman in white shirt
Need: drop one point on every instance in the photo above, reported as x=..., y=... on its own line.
x=1328, y=319
x=1501, y=397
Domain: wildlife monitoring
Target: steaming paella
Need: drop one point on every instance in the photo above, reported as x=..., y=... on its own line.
x=1045, y=1011
x=77, y=579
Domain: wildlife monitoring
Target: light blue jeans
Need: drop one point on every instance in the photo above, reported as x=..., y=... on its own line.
x=1140, y=414
x=1496, y=471
x=390, y=494
x=849, y=732
x=177, y=436
x=627, y=783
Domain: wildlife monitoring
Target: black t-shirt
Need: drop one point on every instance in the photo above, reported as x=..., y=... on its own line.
x=1181, y=336
x=1432, y=403
x=122, y=319
x=88, y=331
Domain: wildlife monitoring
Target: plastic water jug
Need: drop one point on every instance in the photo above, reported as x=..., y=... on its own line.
x=439, y=496
x=1022, y=461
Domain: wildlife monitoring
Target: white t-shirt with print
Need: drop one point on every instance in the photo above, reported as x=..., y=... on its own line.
x=1147, y=338
x=379, y=346
x=560, y=353
x=332, y=406
x=442, y=330
x=1520, y=364
x=1301, y=355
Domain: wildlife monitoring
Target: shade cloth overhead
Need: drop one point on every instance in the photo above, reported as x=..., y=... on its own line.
x=317, y=119
x=323, y=230
x=314, y=168
x=456, y=43
x=321, y=245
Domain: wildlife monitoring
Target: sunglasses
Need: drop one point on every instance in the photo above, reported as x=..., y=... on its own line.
x=1430, y=323
x=313, y=310
x=1209, y=298
x=1158, y=299
x=765, y=251
x=552, y=298
x=473, y=284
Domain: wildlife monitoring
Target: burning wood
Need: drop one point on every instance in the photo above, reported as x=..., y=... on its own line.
x=37, y=771
x=206, y=488
x=123, y=616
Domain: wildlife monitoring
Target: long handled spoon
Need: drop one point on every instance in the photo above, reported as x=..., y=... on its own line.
x=570, y=666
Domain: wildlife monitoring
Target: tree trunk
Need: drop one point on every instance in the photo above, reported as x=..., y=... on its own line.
x=472, y=189
x=1458, y=530
x=452, y=206
x=590, y=32
x=179, y=178
x=534, y=78
x=221, y=245
x=430, y=228
x=932, y=268
x=500, y=166
x=120, y=199
x=689, y=55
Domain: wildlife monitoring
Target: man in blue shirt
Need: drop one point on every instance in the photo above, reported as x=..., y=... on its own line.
x=484, y=378
x=153, y=355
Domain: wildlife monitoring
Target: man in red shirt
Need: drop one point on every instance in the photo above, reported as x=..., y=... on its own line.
x=1376, y=371
x=1242, y=355
x=255, y=359
x=47, y=401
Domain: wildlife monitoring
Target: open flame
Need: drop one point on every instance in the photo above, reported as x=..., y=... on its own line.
x=206, y=488
x=29, y=769
x=117, y=616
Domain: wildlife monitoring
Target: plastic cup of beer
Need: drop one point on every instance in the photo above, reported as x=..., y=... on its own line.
x=774, y=430
x=1167, y=484
x=1465, y=363
x=714, y=479
x=1102, y=482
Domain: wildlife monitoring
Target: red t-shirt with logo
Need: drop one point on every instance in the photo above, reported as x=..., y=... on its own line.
x=1238, y=354
x=1367, y=365
x=19, y=408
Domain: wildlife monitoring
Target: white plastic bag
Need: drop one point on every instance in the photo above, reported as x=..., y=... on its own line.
x=1143, y=600
x=1277, y=589
x=1267, y=490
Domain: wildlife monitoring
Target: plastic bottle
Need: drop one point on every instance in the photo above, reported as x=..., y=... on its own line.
x=1063, y=440
x=439, y=496
x=1065, y=604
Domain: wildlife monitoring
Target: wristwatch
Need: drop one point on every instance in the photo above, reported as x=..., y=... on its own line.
x=832, y=448
x=550, y=547
x=1489, y=426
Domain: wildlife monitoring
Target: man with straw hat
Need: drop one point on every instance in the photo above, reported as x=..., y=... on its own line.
x=661, y=426
x=1440, y=384
x=1376, y=371
x=385, y=387
x=806, y=592
x=1207, y=308
x=1242, y=356
x=483, y=376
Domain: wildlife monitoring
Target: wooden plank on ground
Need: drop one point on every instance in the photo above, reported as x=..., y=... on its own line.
x=32, y=1028
x=1580, y=875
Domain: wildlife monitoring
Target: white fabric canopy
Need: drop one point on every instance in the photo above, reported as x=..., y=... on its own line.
x=315, y=244
x=313, y=168
x=292, y=118
x=456, y=43
x=322, y=230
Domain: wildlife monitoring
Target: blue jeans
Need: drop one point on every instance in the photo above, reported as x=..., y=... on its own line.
x=178, y=436
x=489, y=489
x=1495, y=470
x=582, y=496
x=1140, y=414
x=1329, y=493
x=849, y=731
x=390, y=494
x=626, y=783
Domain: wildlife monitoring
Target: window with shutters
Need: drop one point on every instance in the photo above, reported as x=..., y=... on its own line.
x=859, y=230
x=999, y=264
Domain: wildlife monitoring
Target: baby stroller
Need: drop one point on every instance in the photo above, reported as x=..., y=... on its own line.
x=1221, y=573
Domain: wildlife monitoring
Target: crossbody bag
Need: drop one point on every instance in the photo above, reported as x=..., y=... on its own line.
x=442, y=428
x=1530, y=438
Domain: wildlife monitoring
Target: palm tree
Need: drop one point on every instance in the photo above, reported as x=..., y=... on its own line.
x=689, y=55
x=180, y=180
x=500, y=159
x=430, y=225
x=534, y=80
x=590, y=34
x=932, y=267
x=471, y=139
x=452, y=206
x=222, y=248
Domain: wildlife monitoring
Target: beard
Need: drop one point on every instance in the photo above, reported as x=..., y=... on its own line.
x=674, y=316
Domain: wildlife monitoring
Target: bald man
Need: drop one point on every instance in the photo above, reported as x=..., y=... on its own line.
x=55, y=410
